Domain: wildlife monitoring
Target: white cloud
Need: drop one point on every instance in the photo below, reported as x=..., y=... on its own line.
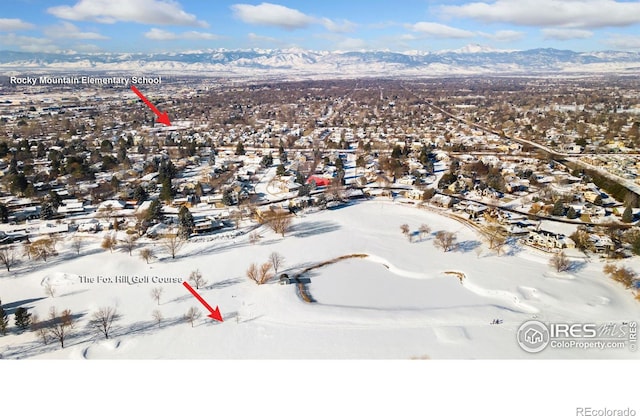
x=253, y=37
x=11, y=25
x=560, y=13
x=624, y=42
x=438, y=30
x=158, y=12
x=28, y=43
x=268, y=14
x=88, y=48
x=566, y=34
x=504, y=35
x=70, y=31
x=159, y=34
x=343, y=26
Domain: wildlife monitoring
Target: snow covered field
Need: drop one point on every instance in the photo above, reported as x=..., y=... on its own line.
x=401, y=301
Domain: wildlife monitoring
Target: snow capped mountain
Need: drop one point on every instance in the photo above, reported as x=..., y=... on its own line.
x=469, y=60
x=474, y=48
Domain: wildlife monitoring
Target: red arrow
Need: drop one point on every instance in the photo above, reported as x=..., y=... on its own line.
x=215, y=313
x=162, y=117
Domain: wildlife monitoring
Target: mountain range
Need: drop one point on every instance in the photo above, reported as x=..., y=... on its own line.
x=470, y=60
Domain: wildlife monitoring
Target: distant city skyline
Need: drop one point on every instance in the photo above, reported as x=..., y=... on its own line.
x=422, y=25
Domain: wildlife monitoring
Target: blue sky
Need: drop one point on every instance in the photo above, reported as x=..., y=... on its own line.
x=401, y=25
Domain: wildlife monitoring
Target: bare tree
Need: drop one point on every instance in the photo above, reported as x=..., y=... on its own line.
x=406, y=231
x=253, y=273
x=156, y=293
x=445, y=240
x=76, y=244
x=146, y=254
x=129, y=243
x=236, y=216
x=265, y=273
x=109, y=243
x=59, y=326
x=192, y=315
x=424, y=230
x=49, y=289
x=8, y=257
x=40, y=328
x=55, y=239
x=157, y=316
x=254, y=237
x=280, y=222
x=26, y=249
x=276, y=260
x=173, y=244
x=195, y=277
x=103, y=320
x=621, y=274
x=560, y=262
x=496, y=238
x=41, y=249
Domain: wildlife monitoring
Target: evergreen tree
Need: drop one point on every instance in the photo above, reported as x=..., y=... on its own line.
x=55, y=199
x=140, y=194
x=166, y=170
x=19, y=184
x=4, y=213
x=572, y=214
x=167, y=191
x=304, y=190
x=154, y=212
x=280, y=170
x=185, y=221
x=240, y=149
x=558, y=208
x=267, y=160
x=13, y=166
x=46, y=211
x=4, y=320
x=627, y=215
x=22, y=318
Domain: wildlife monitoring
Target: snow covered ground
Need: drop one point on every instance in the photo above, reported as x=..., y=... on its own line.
x=401, y=301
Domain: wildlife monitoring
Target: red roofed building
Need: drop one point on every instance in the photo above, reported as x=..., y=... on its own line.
x=319, y=180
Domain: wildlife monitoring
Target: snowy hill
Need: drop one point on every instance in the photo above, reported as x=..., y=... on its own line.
x=472, y=59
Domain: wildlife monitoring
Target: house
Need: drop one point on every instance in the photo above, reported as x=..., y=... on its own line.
x=442, y=201
x=205, y=225
x=601, y=244
x=548, y=241
x=71, y=206
x=92, y=226
x=319, y=180
x=414, y=194
x=111, y=205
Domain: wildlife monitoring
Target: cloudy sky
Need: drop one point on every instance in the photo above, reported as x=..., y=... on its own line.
x=397, y=25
